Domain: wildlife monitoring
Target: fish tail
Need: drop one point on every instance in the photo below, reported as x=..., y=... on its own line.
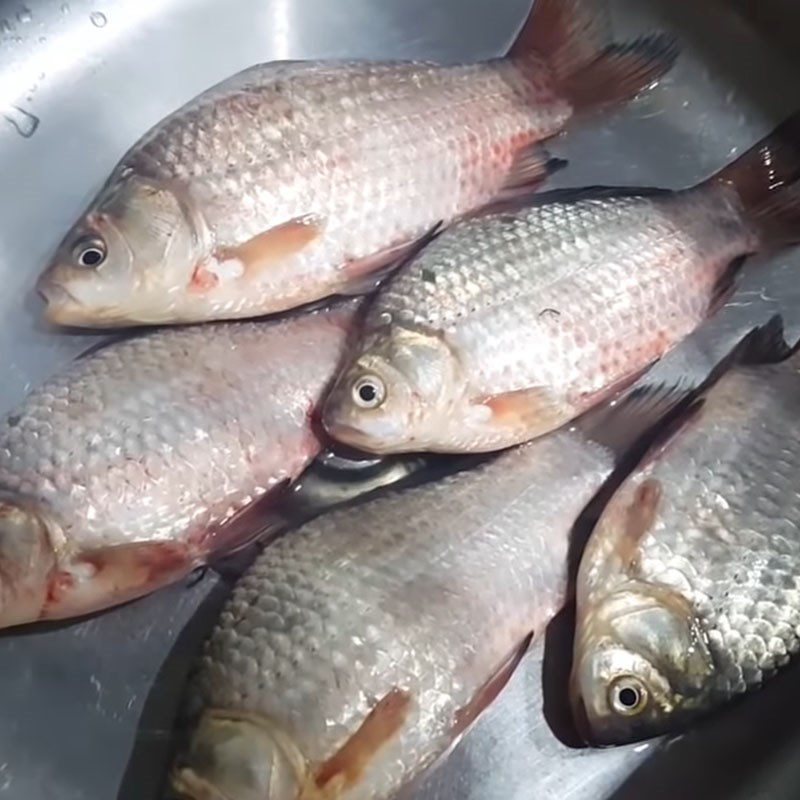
x=573, y=36
x=767, y=180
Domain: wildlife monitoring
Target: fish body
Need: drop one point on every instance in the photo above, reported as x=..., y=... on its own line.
x=129, y=469
x=356, y=650
x=293, y=181
x=688, y=588
x=511, y=323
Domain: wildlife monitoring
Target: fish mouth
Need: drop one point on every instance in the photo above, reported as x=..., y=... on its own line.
x=355, y=438
x=61, y=306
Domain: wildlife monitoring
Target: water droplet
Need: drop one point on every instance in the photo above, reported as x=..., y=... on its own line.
x=5, y=26
x=98, y=19
x=24, y=122
x=65, y=8
x=24, y=14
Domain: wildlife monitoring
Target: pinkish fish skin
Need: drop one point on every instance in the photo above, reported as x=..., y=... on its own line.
x=414, y=599
x=292, y=181
x=123, y=473
x=512, y=323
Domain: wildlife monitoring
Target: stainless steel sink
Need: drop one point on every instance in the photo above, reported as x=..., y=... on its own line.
x=87, y=708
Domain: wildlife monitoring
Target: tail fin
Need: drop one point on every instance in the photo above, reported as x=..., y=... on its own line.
x=574, y=37
x=766, y=178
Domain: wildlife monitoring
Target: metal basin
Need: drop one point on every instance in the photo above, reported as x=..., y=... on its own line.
x=87, y=707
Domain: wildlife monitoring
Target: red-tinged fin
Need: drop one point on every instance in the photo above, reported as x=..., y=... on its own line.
x=273, y=246
x=112, y=575
x=620, y=73
x=573, y=36
x=766, y=181
x=256, y=522
x=568, y=33
x=639, y=518
x=532, y=166
x=535, y=409
x=365, y=274
x=345, y=767
x=490, y=690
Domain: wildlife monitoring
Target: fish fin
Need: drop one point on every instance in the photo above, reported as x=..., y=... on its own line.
x=346, y=766
x=766, y=180
x=568, y=33
x=273, y=246
x=488, y=693
x=639, y=518
x=725, y=287
x=109, y=576
x=574, y=39
x=260, y=522
x=620, y=72
x=636, y=417
x=531, y=167
x=615, y=388
x=365, y=274
x=765, y=344
x=534, y=408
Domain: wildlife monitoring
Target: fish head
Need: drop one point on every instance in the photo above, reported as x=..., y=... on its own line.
x=232, y=758
x=396, y=395
x=642, y=665
x=27, y=560
x=129, y=259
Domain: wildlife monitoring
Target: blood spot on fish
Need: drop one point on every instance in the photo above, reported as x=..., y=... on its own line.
x=639, y=518
x=203, y=279
x=465, y=716
x=344, y=768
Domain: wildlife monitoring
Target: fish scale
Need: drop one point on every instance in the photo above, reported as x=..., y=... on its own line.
x=293, y=181
x=425, y=592
x=560, y=299
x=401, y=118
x=160, y=440
x=725, y=537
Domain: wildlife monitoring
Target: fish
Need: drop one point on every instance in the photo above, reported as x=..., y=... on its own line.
x=511, y=323
x=293, y=181
x=687, y=589
x=360, y=647
x=151, y=455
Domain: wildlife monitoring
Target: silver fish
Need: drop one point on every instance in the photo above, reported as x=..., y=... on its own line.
x=293, y=181
x=141, y=460
x=688, y=589
x=359, y=648
x=512, y=323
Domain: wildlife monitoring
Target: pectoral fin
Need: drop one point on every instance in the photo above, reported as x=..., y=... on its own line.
x=109, y=576
x=534, y=410
x=273, y=246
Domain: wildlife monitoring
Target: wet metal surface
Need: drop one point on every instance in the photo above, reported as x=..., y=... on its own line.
x=87, y=707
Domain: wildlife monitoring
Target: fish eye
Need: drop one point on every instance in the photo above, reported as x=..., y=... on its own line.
x=627, y=696
x=369, y=391
x=89, y=252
